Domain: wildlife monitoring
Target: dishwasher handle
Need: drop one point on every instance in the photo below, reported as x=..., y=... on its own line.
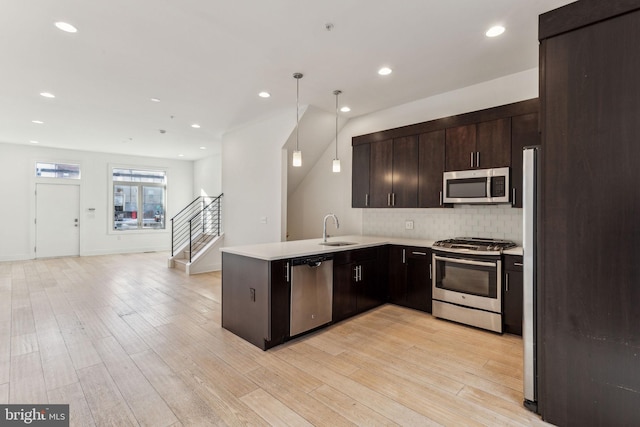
x=312, y=261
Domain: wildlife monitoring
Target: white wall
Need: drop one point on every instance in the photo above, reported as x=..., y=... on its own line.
x=322, y=191
x=17, y=198
x=207, y=176
x=254, y=179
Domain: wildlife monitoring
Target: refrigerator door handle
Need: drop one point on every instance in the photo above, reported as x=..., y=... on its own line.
x=529, y=204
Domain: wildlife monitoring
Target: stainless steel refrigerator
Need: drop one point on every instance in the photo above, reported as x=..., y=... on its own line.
x=530, y=175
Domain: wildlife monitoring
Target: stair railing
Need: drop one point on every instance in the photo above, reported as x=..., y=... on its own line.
x=199, y=221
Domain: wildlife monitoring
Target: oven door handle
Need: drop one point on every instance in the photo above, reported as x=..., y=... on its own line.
x=465, y=261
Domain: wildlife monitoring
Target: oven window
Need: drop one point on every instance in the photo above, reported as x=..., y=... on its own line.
x=467, y=188
x=467, y=279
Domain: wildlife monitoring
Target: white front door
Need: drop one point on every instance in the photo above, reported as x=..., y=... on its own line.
x=57, y=220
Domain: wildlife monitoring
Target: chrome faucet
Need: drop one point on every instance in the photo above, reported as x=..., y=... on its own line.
x=324, y=228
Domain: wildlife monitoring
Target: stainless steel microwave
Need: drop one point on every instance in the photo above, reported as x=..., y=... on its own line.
x=476, y=186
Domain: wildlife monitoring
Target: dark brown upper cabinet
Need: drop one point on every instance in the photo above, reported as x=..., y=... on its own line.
x=479, y=146
x=493, y=144
x=524, y=133
x=430, y=168
x=360, y=176
x=394, y=173
x=403, y=167
x=460, y=147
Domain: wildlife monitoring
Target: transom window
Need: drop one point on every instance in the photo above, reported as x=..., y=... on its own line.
x=57, y=170
x=138, y=199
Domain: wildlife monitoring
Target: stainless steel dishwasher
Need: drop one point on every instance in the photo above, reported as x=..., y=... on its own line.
x=311, y=293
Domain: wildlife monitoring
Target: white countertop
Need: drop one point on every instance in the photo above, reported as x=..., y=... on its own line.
x=300, y=248
x=513, y=251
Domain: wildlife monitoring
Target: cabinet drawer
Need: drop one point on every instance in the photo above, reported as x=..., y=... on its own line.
x=513, y=262
x=357, y=255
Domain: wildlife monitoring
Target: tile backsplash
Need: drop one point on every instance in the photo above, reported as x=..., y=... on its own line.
x=495, y=221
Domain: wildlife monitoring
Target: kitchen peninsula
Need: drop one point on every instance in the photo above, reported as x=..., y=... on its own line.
x=257, y=281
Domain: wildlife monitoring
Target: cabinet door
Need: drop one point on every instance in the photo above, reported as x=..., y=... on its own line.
x=418, y=279
x=513, y=281
x=381, y=174
x=524, y=133
x=405, y=172
x=367, y=286
x=280, y=300
x=397, y=275
x=360, y=176
x=493, y=144
x=460, y=147
x=430, y=169
x=344, y=291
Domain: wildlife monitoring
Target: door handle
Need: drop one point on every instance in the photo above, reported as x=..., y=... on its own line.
x=506, y=282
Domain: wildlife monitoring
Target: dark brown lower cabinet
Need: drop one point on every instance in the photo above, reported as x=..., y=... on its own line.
x=410, y=277
x=512, y=294
x=255, y=299
x=357, y=284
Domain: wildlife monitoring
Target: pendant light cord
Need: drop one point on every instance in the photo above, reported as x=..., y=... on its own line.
x=337, y=92
x=297, y=76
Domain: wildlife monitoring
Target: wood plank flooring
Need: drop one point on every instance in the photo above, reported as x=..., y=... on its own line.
x=126, y=341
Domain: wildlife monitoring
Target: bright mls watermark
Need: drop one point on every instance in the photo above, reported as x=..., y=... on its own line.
x=34, y=415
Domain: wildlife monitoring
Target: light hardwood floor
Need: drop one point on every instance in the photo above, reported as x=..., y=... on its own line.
x=126, y=341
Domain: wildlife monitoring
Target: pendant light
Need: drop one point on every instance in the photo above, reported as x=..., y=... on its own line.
x=297, y=154
x=336, y=161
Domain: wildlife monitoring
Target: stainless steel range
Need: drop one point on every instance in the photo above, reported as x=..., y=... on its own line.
x=467, y=281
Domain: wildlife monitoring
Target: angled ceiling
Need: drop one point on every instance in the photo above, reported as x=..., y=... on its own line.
x=206, y=61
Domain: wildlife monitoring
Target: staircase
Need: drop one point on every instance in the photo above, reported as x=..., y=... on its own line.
x=196, y=233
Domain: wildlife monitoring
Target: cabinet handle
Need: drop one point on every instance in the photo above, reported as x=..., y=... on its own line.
x=440, y=198
x=355, y=273
x=419, y=253
x=472, y=159
x=393, y=199
x=388, y=199
x=506, y=282
x=513, y=198
x=286, y=272
x=366, y=199
x=430, y=272
x=519, y=264
x=360, y=274
x=477, y=159
x=404, y=260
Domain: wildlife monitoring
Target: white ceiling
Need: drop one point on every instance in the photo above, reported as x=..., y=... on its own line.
x=206, y=60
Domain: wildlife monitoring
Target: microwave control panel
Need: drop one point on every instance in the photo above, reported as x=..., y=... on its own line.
x=498, y=186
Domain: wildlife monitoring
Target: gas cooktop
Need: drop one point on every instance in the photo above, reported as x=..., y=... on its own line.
x=474, y=244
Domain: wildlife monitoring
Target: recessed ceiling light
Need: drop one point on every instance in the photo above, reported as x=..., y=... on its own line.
x=384, y=71
x=180, y=155
x=38, y=122
x=495, y=31
x=345, y=109
x=264, y=94
x=47, y=95
x=66, y=27
x=155, y=100
x=203, y=148
x=195, y=126
x=34, y=142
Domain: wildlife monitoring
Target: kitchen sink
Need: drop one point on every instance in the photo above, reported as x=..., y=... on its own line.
x=337, y=243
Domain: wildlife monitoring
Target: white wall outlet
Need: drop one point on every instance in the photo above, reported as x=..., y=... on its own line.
x=408, y=225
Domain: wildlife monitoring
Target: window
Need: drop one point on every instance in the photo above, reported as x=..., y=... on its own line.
x=57, y=170
x=138, y=199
